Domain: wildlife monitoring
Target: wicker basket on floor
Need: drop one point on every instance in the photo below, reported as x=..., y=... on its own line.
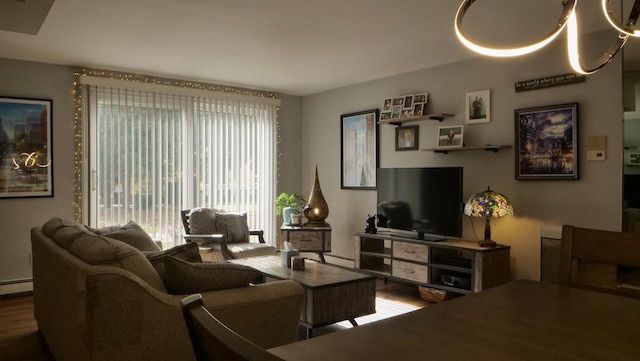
x=433, y=294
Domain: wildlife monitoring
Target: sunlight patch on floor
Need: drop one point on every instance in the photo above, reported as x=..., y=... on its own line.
x=385, y=308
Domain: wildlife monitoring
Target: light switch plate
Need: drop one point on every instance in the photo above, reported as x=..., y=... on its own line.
x=596, y=155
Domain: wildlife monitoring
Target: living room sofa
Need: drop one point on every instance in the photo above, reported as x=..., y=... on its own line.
x=97, y=298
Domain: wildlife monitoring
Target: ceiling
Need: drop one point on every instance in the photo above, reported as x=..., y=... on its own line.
x=296, y=47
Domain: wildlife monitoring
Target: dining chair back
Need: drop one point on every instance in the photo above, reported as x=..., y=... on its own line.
x=601, y=260
x=212, y=340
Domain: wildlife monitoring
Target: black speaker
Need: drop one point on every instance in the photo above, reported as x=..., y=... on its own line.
x=456, y=280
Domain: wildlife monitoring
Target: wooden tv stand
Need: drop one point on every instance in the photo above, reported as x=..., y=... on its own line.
x=452, y=265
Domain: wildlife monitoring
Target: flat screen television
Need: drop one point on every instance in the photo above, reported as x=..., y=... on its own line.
x=423, y=203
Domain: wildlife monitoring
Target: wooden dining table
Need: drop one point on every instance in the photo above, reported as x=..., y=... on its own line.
x=521, y=320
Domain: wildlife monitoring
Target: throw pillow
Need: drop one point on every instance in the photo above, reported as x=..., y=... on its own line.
x=188, y=252
x=133, y=235
x=100, y=250
x=202, y=220
x=184, y=277
x=234, y=226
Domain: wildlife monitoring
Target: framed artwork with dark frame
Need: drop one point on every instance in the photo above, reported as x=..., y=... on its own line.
x=25, y=148
x=407, y=138
x=547, y=142
x=359, y=149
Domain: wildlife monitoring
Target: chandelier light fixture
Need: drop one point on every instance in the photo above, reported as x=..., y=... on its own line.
x=568, y=19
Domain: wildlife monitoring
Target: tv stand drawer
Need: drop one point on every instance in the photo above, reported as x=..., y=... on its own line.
x=410, y=271
x=411, y=251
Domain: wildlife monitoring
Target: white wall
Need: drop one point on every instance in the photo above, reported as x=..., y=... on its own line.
x=593, y=201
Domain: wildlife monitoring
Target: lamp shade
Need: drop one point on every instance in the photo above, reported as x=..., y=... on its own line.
x=488, y=204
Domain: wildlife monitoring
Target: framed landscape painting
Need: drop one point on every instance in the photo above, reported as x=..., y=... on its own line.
x=359, y=149
x=547, y=142
x=25, y=148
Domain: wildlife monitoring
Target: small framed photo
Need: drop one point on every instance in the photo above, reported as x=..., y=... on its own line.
x=421, y=98
x=407, y=138
x=396, y=111
x=398, y=101
x=408, y=101
x=547, y=142
x=634, y=158
x=450, y=137
x=478, y=107
x=387, y=105
x=385, y=115
x=418, y=109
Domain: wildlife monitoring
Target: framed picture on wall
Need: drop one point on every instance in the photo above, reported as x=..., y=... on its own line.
x=407, y=138
x=450, y=137
x=359, y=149
x=478, y=107
x=26, y=168
x=547, y=142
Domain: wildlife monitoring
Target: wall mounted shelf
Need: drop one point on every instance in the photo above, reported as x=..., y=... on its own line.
x=488, y=147
x=439, y=117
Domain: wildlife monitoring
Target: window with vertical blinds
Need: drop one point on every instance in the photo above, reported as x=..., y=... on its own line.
x=153, y=153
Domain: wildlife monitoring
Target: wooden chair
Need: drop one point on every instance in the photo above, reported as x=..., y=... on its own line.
x=597, y=259
x=212, y=340
x=227, y=249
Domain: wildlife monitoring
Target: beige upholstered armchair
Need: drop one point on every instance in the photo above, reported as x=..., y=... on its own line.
x=225, y=232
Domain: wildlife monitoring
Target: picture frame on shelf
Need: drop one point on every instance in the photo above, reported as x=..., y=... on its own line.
x=407, y=106
x=546, y=142
x=26, y=148
x=478, y=107
x=450, y=137
x=634, y=159
x=396, y=112
x=407, y=138
x=421, y=98
x=408, y=102
x=359, y=149
x=386, y=107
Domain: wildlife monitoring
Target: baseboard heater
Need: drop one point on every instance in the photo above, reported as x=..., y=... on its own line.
x=16, y=286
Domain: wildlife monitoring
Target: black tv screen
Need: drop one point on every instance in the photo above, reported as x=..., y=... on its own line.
x=424, y=201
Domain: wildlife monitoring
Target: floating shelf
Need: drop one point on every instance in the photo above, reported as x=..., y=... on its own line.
x=488, y=147
x=439, y=117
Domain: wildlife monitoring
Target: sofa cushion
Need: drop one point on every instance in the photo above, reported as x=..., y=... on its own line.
x=64, y=231
x=101, y=250
x=103, y=230
x=188, y=252
x=183, y=277
x=234, y=226
x=133, y=235
x=202, y=220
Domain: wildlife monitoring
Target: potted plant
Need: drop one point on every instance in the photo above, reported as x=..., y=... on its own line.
x=288, y=204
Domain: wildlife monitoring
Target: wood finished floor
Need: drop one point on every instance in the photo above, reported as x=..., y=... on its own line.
x=21, y=341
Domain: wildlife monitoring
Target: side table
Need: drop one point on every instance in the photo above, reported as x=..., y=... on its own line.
x=308, y=239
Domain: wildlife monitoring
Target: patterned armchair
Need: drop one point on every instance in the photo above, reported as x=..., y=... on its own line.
x=227, y=233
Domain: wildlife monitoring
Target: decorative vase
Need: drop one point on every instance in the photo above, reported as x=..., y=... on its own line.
x=286, y=215
x=317, y=209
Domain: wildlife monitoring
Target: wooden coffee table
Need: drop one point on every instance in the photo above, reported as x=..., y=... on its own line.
x=332, y=294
